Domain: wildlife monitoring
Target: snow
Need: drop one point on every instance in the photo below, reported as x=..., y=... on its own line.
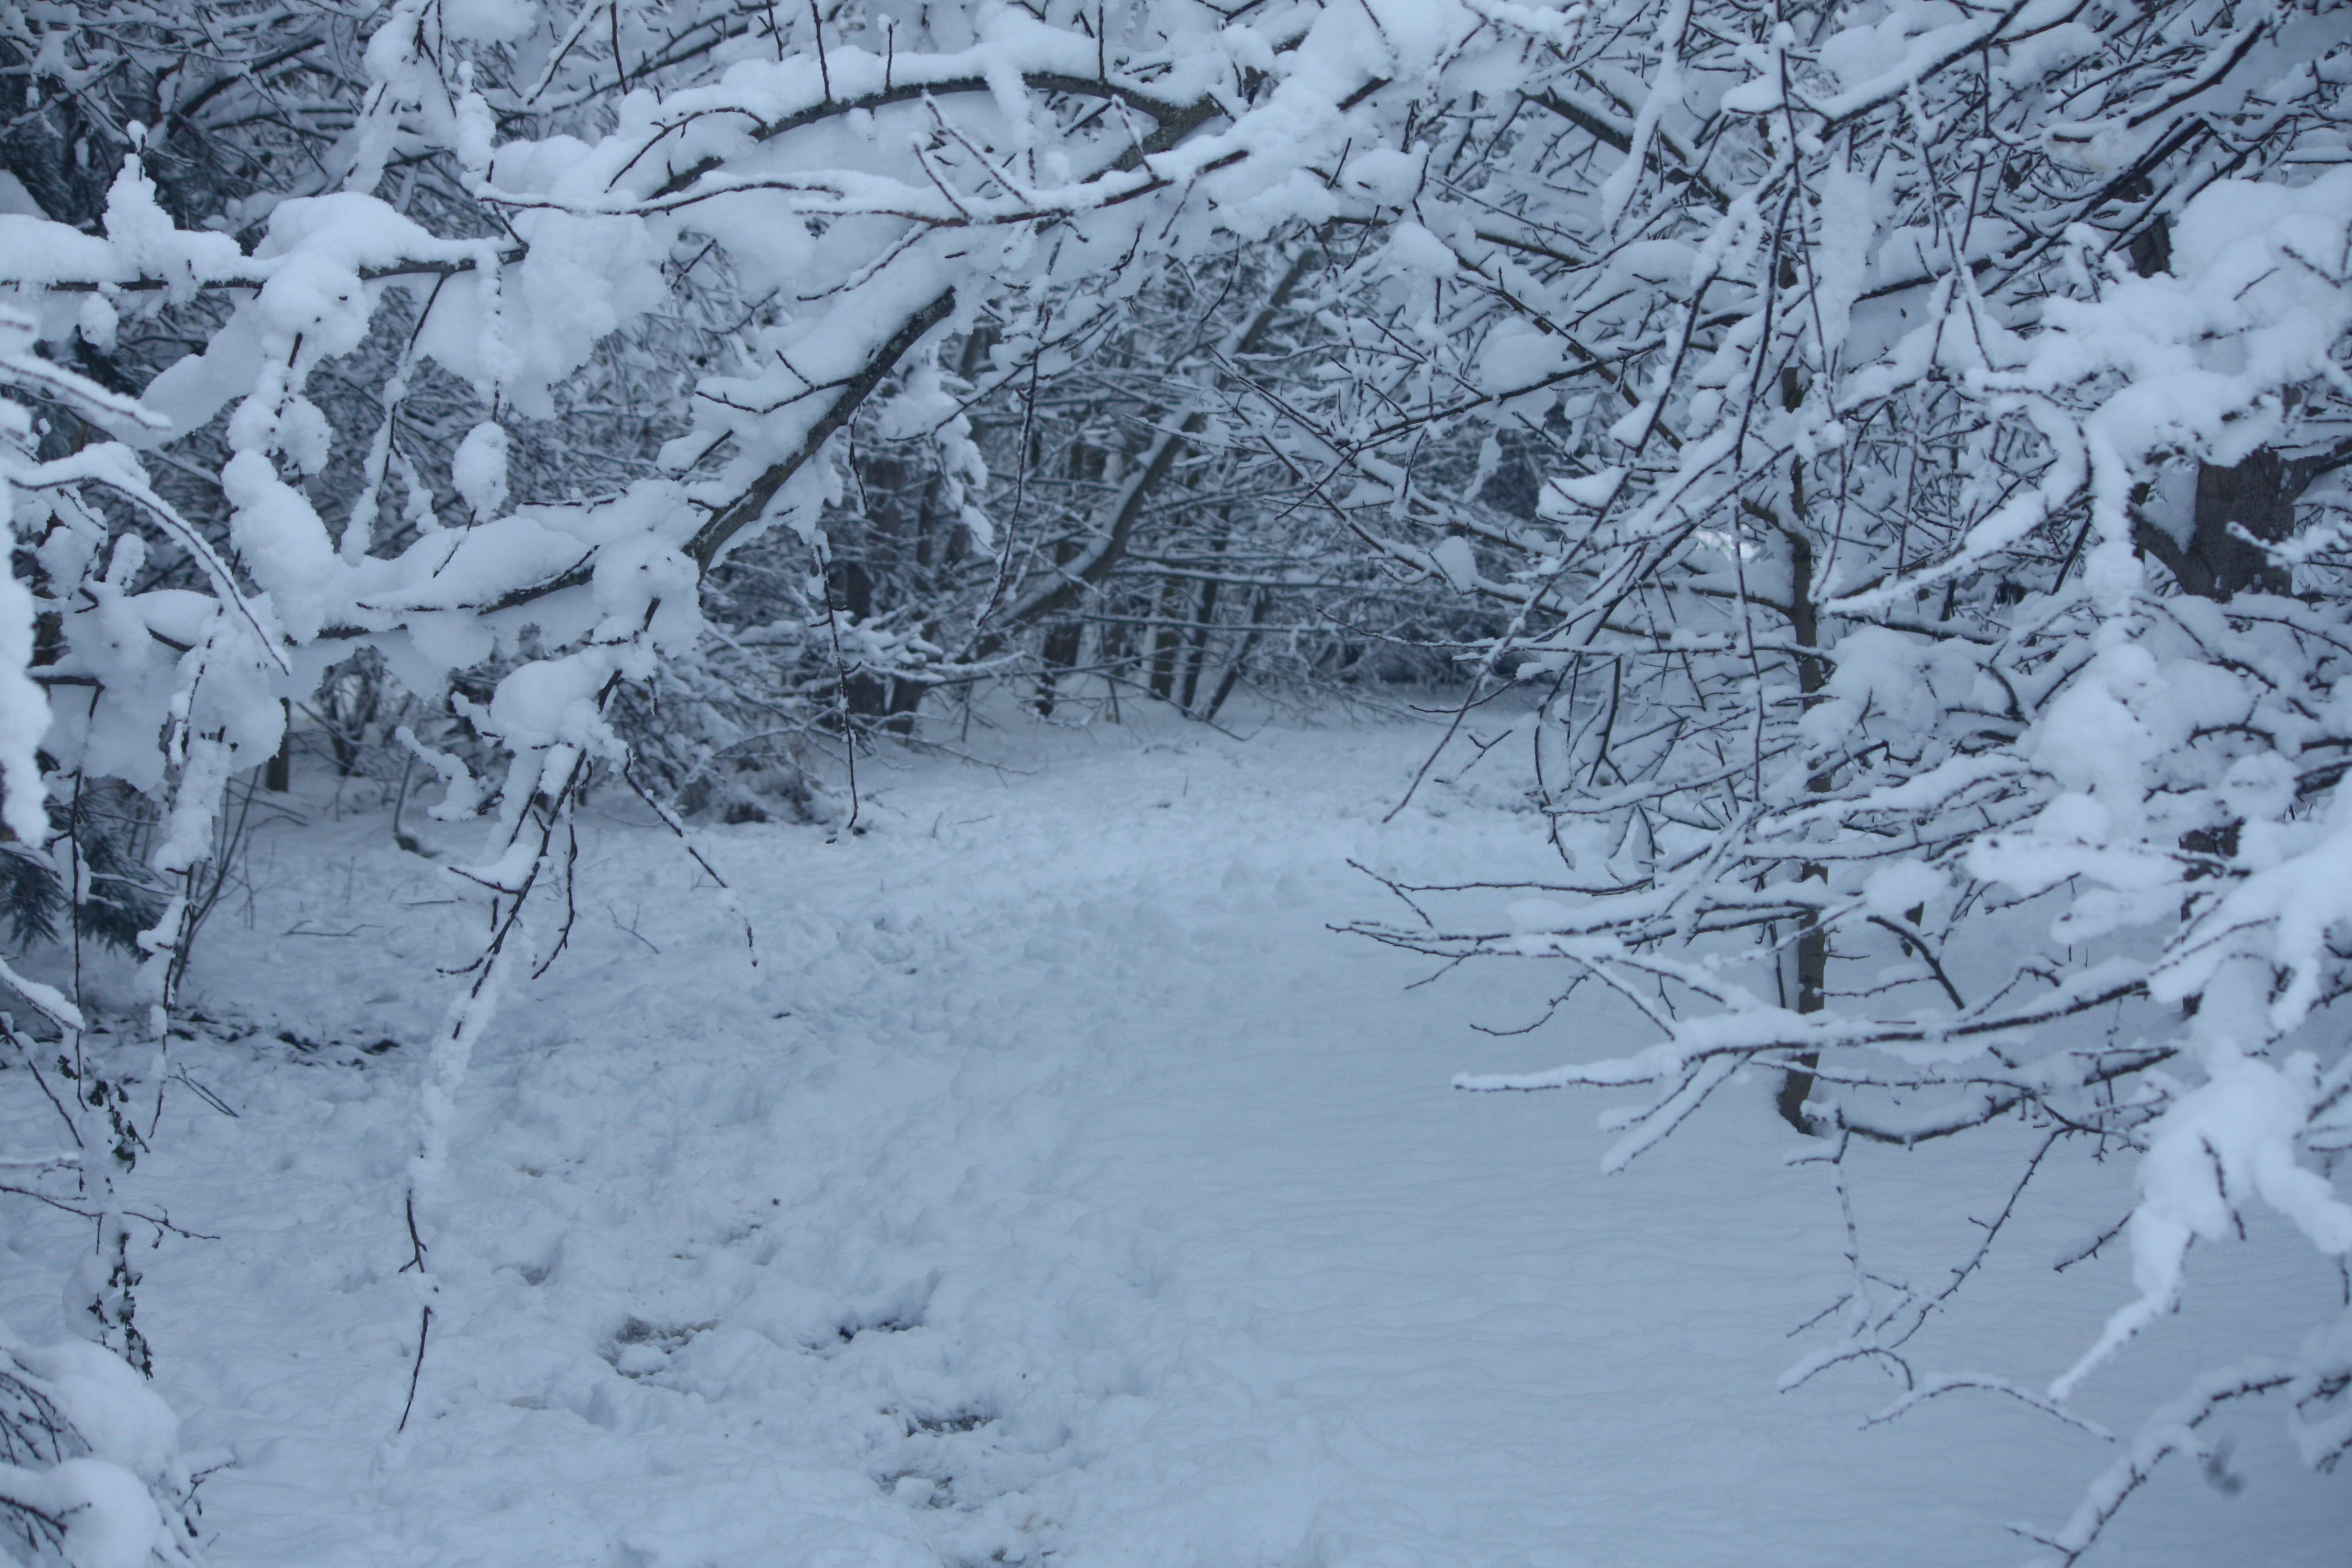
x=119, y=1438
x=110, y=1522
x=494, y=21
x=1059, y=1185
x=1412, y=248
x=123, y=1420
x=1453, y=557
x=1589, y=491
x=478, y=470
x=2234, y=1133
x=1901, y=886
x=1110, y=1212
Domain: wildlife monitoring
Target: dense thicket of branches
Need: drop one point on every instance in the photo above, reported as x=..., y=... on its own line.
x=1945, y=597
x=1898, y=444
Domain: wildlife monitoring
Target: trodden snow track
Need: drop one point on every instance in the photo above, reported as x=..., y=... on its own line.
x=1060, y=1187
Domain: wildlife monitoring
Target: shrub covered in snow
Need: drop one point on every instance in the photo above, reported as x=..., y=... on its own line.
x=1938, y=633
x=90, y=1474
x=1897, y=441
x=479, y=350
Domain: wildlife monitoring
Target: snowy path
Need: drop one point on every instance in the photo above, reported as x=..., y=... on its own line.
x=1061, y=1186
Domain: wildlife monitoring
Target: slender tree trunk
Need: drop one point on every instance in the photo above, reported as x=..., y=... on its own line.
x=1240, y=660
x=1197, y=654
x=277, y=775
x=1205, y=619
x=2256, y=496
x=1165, y=639
x=863, y=694
x=1812, y=940
x=1057, y=653
x=1058, y=649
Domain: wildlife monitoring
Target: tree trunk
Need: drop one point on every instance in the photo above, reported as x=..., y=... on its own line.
x=1813, y=674
x=1240, y=661
x=863, y=694
x=1812, y=972
x=277, y=774
x=1165, y=639
x=1197, y=654
x=1057, y=653
x=1204, y=620
x=2258, y=495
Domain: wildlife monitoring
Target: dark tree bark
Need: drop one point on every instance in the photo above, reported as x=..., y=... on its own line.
x=277, y=774
x=865, y=694
x=1196, y=653
x=2258, y=495
x=1240, y=661
x=1813, y=675
x=1057, y=653
x=1165, y=640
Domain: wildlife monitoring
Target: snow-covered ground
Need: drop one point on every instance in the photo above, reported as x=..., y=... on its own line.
x=1060, y=1187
